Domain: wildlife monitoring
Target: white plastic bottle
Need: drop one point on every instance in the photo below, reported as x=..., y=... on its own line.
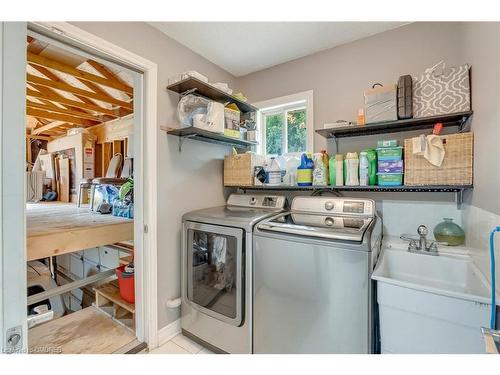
x=352, y=169
x=363, y=168
x=274, y=173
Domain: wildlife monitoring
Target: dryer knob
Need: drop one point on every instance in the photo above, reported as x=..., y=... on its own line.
x=329, y=205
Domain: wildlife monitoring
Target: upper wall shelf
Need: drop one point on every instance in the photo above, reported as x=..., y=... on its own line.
x=192, y=84
x=454, y=119
x=207, y=136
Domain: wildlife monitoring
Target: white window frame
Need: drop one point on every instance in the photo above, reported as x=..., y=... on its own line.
x=286, y=103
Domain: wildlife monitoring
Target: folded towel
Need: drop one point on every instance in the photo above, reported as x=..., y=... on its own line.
x=434, y=152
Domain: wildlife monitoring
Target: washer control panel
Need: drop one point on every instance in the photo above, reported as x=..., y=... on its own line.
x=334, y=205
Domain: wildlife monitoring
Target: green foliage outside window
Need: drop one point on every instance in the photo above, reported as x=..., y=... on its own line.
x=296, y=132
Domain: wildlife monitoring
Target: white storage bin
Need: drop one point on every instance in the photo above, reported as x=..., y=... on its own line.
x=74, y=303
x=109, y=257
x=92, y=255
x=78, y=294
x=91, y=268
x=76, y=266
x=63, y=262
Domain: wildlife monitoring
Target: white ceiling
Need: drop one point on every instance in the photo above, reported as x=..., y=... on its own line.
x=246, y=47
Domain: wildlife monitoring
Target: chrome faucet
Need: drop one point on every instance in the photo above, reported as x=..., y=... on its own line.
x=421, y=245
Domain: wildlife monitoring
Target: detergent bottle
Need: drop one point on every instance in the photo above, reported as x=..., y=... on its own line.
x=305, y=171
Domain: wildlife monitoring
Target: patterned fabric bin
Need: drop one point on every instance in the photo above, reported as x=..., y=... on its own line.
x=441, y=90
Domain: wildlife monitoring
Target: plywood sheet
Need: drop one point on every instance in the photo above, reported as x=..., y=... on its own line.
x=55, y=228
x=87, y=331
x=64, y=176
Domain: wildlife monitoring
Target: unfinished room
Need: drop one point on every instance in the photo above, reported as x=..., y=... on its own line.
x=79, y=201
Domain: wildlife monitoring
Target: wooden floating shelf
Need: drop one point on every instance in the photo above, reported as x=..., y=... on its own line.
x=454, y=119
x=192, y=84
x=207, y=136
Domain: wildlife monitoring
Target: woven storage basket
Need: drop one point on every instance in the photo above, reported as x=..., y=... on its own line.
x=239, y=169
x=457, y=167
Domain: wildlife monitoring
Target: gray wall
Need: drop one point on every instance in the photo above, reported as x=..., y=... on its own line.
x=339, y=76
x=193, y=179
x=481, y=48
x=188, y=180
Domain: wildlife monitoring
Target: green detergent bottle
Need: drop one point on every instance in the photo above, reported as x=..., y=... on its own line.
x=372, y=166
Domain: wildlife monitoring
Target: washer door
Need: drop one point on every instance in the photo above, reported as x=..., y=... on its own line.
x=214, y=258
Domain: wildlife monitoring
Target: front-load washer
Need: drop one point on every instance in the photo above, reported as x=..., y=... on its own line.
x=216, y=307
x=312, y=268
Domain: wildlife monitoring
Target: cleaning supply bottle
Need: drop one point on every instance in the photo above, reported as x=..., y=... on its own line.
x=363, y=168
x=336, y=168
x=320, y=171
x=351, y=166
x=372, y=167
x=274, y=173
x=305, y=171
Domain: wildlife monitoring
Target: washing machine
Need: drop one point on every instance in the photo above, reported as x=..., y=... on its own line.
x=216, y=303
x=312, y=268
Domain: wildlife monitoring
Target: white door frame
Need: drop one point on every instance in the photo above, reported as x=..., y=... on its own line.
x=146, y=264
x=12, y=188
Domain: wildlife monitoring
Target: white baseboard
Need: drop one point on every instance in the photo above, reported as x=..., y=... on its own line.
x=169, y=332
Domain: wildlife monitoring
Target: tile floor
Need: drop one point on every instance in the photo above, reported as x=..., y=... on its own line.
x=181, y=345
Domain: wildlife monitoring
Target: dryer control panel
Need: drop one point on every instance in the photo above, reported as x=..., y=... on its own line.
x=257, y=201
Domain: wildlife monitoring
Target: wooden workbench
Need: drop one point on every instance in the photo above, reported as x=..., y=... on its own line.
x=55, y=228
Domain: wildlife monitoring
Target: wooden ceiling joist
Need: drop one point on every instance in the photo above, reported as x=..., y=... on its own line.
x=80, y=74
x=48, y=73
x=74, y=90
x=106, y=72
x=70, y=102
x=40, y=137
x=47, y=127
x=54, y=108
x=59, y=117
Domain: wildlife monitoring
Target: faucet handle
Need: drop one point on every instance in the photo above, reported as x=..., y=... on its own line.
x=422, y=230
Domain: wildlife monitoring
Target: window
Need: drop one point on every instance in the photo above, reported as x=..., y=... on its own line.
x=286, y=125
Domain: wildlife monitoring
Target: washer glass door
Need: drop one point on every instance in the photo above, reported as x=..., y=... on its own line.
x=214, y=271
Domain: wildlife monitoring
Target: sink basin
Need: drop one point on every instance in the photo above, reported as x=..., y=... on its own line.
x=430, y=304
x=455, y=276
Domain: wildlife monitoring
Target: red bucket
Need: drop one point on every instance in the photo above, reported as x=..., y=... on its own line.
x=126, y=285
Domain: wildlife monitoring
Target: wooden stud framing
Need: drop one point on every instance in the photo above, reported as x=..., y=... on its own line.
x=107, y=154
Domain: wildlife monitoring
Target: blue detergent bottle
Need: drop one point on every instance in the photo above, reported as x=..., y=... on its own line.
x=305, y=171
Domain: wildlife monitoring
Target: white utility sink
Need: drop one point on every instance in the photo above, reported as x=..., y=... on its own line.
x=430, y=304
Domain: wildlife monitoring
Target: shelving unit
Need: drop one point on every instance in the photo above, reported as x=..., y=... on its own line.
x=458, y=119
x=207, y=136
x=458, y=190
x=455, y=119
x=194, y=85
